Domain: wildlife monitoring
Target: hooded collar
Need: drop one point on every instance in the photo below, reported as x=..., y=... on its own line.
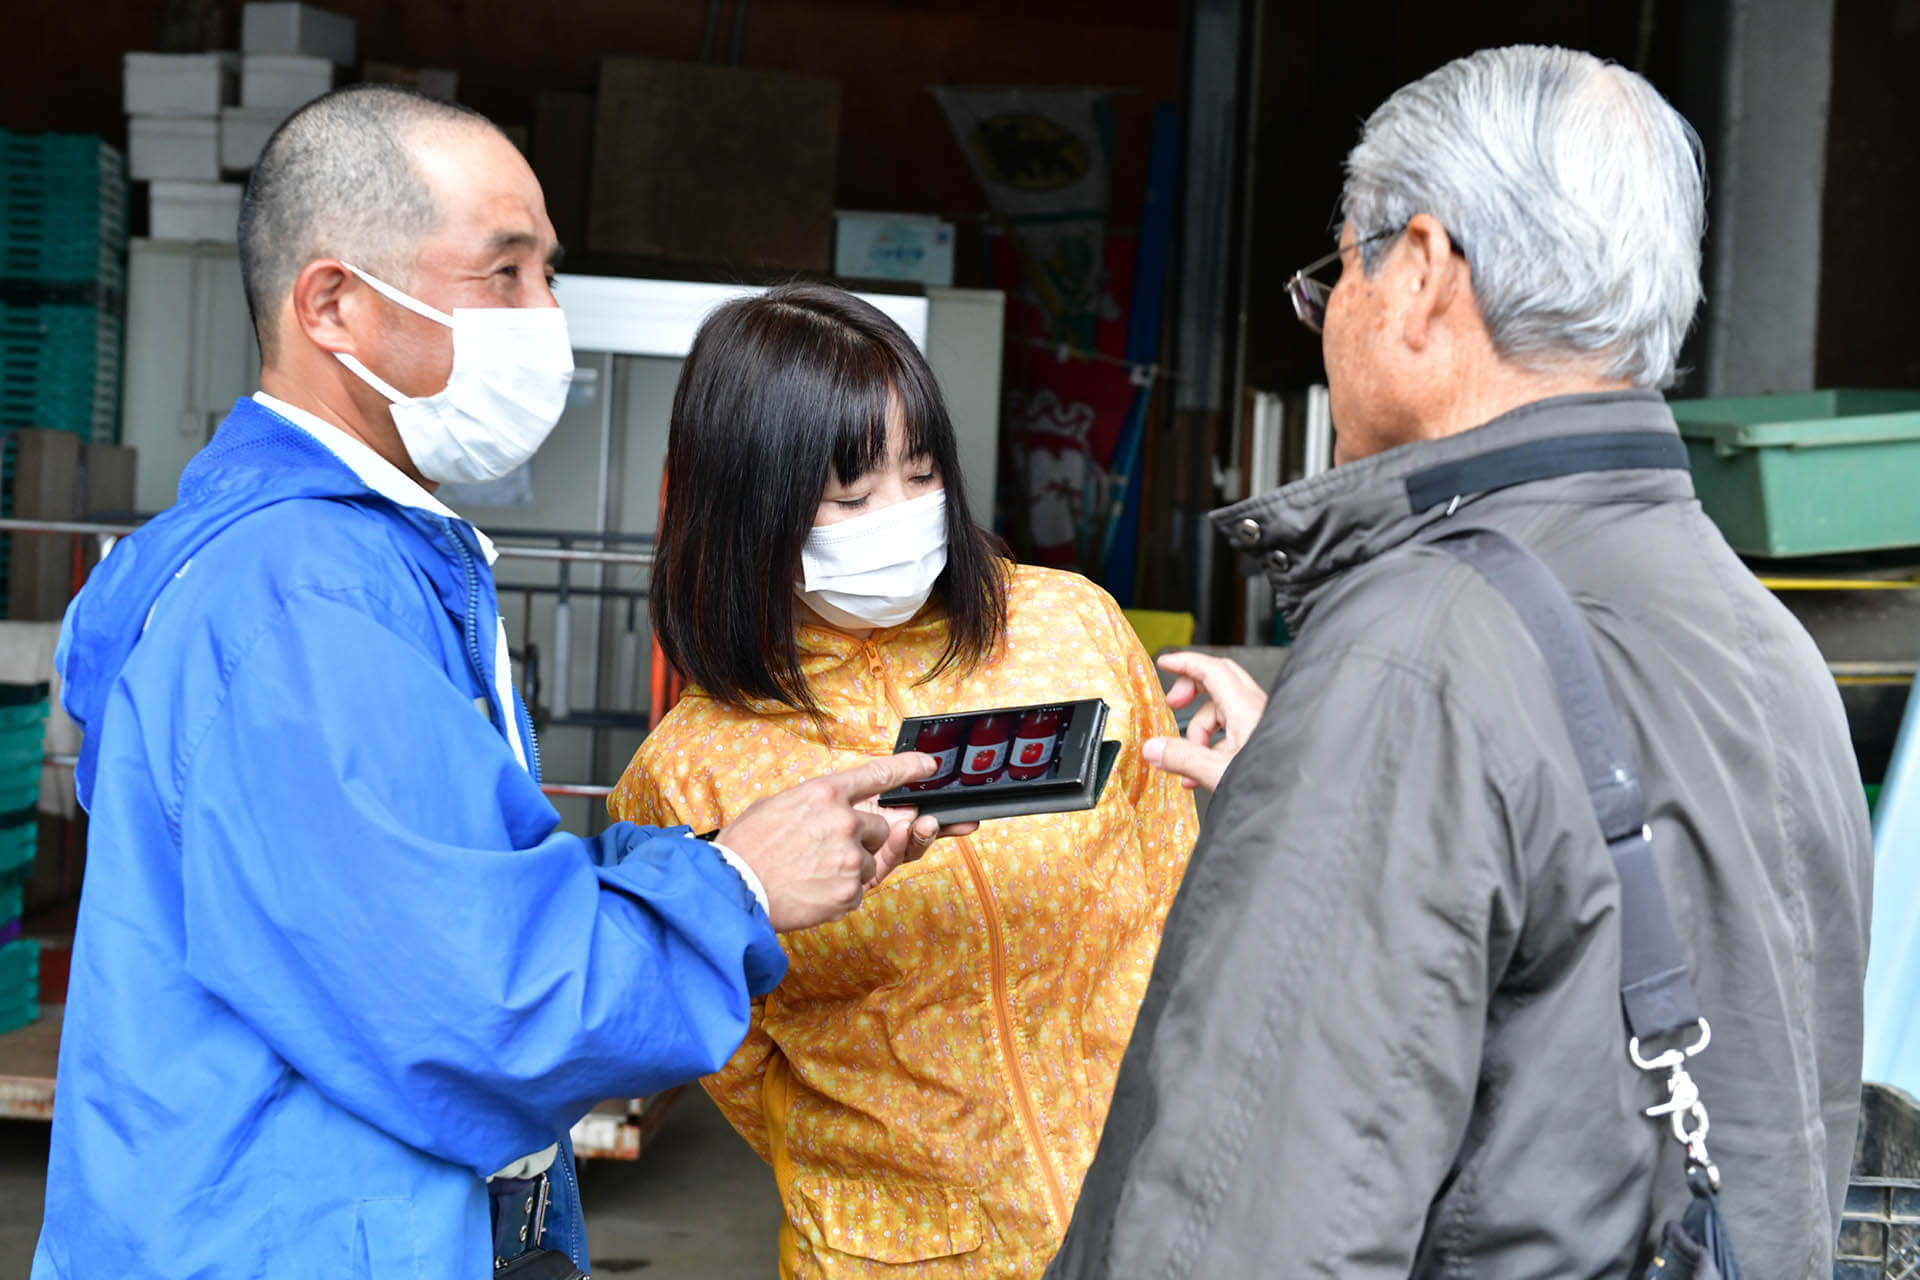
x=1307, y=533
x=255, y=460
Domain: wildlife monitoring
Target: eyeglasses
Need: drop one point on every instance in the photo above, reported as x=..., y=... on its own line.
x=1310, y=296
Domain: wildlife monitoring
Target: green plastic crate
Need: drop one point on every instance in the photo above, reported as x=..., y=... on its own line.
x=63, y=209
x=19, y=964
x=23, y=1015
x=19, y=842
x=1814, y=473
x=19, y=789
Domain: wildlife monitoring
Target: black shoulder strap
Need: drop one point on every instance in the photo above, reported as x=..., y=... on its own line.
x=1654, y=986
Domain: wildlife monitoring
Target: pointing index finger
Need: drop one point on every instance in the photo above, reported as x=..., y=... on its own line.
x=864, y=781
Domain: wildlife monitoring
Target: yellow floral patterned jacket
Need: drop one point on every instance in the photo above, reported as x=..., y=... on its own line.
x=930, y=1080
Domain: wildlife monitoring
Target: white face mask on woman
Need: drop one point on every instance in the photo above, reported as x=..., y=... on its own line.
x=876, y=570
x=511, y=367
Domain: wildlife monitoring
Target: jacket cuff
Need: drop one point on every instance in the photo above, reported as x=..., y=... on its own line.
x=747, y=875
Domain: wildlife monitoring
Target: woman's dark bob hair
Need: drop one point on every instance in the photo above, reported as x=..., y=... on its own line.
x=779, y=388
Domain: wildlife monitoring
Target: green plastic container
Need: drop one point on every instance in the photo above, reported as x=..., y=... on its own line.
x=1814, y=473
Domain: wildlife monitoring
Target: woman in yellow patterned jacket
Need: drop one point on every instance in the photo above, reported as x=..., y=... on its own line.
x=930, y=1080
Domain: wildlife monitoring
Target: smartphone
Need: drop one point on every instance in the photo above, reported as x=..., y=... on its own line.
x=1008, y=762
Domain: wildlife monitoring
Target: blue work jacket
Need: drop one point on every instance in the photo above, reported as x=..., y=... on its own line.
x=335, y=963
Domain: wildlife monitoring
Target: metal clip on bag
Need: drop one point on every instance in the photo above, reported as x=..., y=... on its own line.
x=1655, y=991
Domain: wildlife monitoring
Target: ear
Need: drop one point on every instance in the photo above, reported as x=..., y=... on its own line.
x=1436, y=277
x=326, y=305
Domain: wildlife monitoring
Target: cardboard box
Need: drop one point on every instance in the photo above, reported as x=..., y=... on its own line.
x=284, y=80
x=722, y=166
x=297, y=28
x=435, y=82
x=176, y=147
x=194, y=210
x=177, y=84
x=244, y=132
x=892, y=246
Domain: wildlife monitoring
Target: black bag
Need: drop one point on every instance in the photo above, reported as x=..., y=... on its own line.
x=540, y=1264
x=1655, y=991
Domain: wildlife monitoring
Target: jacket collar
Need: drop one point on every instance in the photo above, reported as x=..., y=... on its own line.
x=1614, y=446
x=255, y=460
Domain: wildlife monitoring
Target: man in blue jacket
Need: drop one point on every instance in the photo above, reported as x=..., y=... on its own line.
x=336, y=967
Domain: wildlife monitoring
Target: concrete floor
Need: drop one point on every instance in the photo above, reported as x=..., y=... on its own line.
x=699, y=1205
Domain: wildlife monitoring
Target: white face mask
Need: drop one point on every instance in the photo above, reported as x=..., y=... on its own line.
x=511, y=367
x=876, y=570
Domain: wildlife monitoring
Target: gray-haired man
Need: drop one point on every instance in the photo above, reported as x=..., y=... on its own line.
x=1384, y=1035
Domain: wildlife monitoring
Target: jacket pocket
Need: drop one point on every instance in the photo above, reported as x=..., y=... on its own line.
x=886, y=1222
x=385, y=1246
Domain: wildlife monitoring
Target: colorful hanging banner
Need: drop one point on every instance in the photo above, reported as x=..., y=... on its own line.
x=1044, y=158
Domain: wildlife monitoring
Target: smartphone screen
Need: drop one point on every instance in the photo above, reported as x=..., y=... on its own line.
x=997, y=753
x=983, y=748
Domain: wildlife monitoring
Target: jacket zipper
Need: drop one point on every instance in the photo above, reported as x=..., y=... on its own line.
x=511, y=717
x=471, y=628
x=576, y=1243
x=565, y=1156
x=1002, y=1007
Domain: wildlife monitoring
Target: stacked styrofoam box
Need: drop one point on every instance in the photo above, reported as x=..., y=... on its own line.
x=290, y=55
x=173, y=103
x=199, y=117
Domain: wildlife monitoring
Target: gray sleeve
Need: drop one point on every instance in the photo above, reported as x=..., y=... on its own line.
x=1306, y=1059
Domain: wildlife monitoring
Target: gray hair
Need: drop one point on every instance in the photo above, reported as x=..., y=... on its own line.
x=1574, y=190
x=337, y=181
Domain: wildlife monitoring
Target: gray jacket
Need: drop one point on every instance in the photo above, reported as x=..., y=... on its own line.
x=1384, y=1034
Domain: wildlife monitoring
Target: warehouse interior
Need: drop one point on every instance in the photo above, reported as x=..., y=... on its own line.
x=1084, y=212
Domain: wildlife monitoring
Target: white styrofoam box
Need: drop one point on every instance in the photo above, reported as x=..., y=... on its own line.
x=297, y=28
x=194, y=210
x=182, y=147
x=892, y=246
x=283, y=79
x=177, y=84
x=244, y=132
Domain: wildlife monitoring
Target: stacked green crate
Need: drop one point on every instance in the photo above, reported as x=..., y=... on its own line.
x=19, y=984
x=63, y=245
x=63, y=209
x=23, y=728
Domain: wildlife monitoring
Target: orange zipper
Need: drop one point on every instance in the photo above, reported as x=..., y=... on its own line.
x=1002, y=1009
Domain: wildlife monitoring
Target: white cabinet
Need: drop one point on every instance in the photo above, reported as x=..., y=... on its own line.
x=190, y=354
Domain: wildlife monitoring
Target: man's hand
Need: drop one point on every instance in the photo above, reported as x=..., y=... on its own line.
x=817, y=851
x=920, y=835
x=1236, y=706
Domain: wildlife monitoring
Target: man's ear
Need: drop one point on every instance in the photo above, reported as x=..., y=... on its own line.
x=1436, y=278
x=325, y=303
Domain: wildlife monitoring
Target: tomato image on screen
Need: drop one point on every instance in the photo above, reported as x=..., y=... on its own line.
x=1035, y=743
x=987, y=746
x=940, y=739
